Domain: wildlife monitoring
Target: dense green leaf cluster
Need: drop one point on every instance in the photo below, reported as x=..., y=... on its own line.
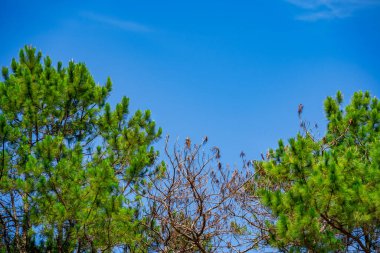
x=325, y=193
x=69, y=161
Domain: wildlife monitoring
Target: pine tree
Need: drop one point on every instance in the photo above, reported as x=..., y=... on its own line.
x=325, y=193
x=69, y=163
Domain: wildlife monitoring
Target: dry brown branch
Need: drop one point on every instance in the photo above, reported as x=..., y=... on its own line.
x=199, y=205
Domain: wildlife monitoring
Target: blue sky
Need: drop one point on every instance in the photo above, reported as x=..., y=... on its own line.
x=232, y=70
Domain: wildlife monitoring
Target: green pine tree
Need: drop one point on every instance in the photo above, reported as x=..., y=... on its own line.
x=69, y=163
x=325, y=193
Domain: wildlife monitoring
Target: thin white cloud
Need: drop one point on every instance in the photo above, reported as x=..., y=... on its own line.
x=330, y=9
x=125, y=25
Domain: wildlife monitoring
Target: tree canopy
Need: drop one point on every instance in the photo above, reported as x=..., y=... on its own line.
x=80, y=175
x=68, y=160
x=325, y=192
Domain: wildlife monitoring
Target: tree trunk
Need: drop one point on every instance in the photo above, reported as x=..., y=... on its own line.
x=25, y=225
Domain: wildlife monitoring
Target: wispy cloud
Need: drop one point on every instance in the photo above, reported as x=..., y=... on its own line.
x=125, y=25
x=330, y=9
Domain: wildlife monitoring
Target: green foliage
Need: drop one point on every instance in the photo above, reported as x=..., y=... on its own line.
x=325, y=193
x=69, y=162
